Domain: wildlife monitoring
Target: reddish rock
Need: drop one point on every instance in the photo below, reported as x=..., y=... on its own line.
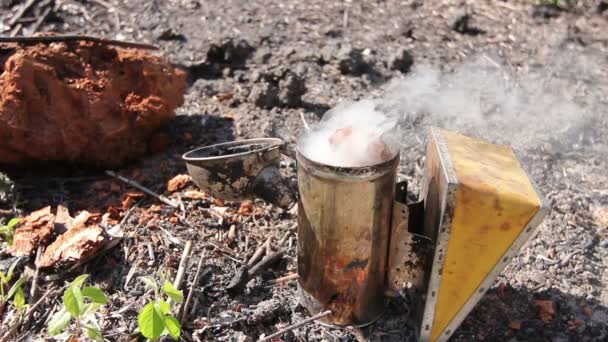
x=83, y=102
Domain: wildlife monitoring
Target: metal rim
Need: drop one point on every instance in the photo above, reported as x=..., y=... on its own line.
x=443, y=236
x=271, y=144
x=346, y=173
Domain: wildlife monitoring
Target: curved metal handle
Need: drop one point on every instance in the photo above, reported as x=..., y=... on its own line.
x=273, y=188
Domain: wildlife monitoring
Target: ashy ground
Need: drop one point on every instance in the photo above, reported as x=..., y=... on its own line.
x=256, y=69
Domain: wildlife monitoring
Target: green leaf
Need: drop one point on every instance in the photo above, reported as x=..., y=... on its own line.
x=11, y=271
x=89, y=309
x=150, y=282
x=94, y=294
x=3, y=278
x=15, y=287
x=79, y=281
x=13, y=222
x=164, y=307
x=19, y=299
x=58, y=322
x=173, y=327
x=93, y=332
x=151, y=321
x=172, y=292
x=72, y=300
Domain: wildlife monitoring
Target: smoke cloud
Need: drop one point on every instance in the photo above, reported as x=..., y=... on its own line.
x=551, y=103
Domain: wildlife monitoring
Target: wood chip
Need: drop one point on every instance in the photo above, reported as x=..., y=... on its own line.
x=177, y=183
x=545, y=310
x=515, y=325
x=36, y=229
x=194, y=194
x=246, y=208
x=77, y=244
x=130, y=198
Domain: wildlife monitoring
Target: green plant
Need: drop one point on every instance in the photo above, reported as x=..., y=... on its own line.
x=154, y=319
x=8, y=230
x=15, y=291
x=79, y=304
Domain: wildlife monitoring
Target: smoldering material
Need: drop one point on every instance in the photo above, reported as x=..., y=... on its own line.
x=352, y=134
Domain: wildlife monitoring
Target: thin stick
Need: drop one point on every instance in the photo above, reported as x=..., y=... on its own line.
x=294, y=326
x=267, y=261
x=304, y=121
x=130, y=275
x=284, y=239
x=183, y=265
x=257, y=254
x=15, y=327
x=151, y=253
x=56, y=39
x=21, y=12
x=134, y=184
x=41, y=19
x=194, y=282
x=15, y=30
x=285, y=278
x=34, y=289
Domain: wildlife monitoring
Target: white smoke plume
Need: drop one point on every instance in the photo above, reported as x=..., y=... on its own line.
x=482, y=98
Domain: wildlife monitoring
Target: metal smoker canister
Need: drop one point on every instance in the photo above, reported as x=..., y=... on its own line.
x=344, y=222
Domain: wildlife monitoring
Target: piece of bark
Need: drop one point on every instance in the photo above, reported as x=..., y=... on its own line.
x=35, y=229
x=177, y=182
x=77, y=244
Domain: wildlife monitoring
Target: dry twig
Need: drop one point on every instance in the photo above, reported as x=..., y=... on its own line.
x=56, y=39
x=184, y=315
x=21, y=12
x=294, y=326
x=258, y=253
x=136, y=185
x=7, y=337
x=34, y=290
x=183, y=265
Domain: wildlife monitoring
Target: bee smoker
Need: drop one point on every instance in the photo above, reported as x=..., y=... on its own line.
x=358, y=239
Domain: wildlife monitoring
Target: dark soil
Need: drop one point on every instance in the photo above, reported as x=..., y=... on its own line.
x=256, y=68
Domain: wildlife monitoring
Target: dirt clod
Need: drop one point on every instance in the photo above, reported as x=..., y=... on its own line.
x=230, y=52
x=462, y=23
x=351, y=61
x=402, y=61
x=83, y=102
x=265, y=95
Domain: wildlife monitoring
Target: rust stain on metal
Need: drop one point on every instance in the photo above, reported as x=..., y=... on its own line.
x=342, y=243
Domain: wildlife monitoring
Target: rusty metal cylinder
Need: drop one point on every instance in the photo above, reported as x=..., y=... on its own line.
x=344, y=224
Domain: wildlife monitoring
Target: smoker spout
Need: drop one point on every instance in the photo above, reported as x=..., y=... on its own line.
x=273, y=188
